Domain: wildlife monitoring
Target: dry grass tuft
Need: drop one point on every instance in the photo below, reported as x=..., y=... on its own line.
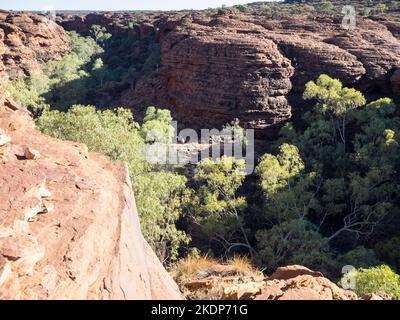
x=241, y=265
x=195, y=268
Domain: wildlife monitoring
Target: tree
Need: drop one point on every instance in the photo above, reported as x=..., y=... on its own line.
x=216, y=204
x=29, y=91
x=244, y=8
x=292, y=242
x=236, y=132
x=114, y=133
x=156, y=127
x=335, y=100
x=325, y=6
x=381, y=8
x=264, y=9
x=160, y=197
x=100, y=71
x=84, y=47
x=276, y=172
x=100, y=34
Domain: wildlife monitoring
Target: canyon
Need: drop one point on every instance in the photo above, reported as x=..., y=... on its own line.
x=69, y=227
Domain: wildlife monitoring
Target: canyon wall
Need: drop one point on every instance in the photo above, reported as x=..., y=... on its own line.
x=27, y=41
x=216, y=68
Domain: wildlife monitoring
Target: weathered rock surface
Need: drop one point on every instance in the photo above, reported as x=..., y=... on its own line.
x=286, y=283
x=26, y=42
x=216, y=68
x=285, y=273
x=69, y=228
x=300, y=283
x=293, y=282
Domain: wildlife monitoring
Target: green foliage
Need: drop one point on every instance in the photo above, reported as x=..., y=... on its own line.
x=381, y=8
x=264, y=8
x=236, y=131
x=29, y=91
x=376, y=279
x=244, y=8
x=83, y=47
x=70, y=77
x=216, y=204
x=292, y=242
x=64, y=83
x=157, y=126
x=325, y=6
x=275, y=172
x=332, y=97
x=100, y=34
x=344, y=182
x=160, y=197
x=388, y=251
x=114, y=133
x=359, y=257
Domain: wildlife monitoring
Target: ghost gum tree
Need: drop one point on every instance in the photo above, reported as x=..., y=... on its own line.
x=335, y=100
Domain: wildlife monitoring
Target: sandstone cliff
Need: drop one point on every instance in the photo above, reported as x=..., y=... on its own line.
x=26, y=42
x=69, y=228
x=216, y=68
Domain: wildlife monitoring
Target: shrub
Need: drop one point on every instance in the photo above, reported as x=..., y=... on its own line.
x=275, y=172
x=157, y=126
x=159, y=197
x=113, y=133
x=376, y=279
x=29, y=91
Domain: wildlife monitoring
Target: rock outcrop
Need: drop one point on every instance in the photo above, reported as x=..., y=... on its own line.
x=293, y=282
x=300, y=283
x=286, y=283
x=216, y=68
x=69, y=228
x=26, y=42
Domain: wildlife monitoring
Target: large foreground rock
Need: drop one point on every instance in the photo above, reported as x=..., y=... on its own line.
x=69, y=228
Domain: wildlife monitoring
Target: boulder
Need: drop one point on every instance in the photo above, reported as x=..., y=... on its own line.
x=288, y=272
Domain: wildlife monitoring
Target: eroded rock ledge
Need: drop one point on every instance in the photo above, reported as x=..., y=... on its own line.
x=69, y=228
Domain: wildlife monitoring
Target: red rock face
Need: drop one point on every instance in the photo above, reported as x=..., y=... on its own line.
x=214, y=69
x=300, y=283
x=26, y=42
x=69, y=228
